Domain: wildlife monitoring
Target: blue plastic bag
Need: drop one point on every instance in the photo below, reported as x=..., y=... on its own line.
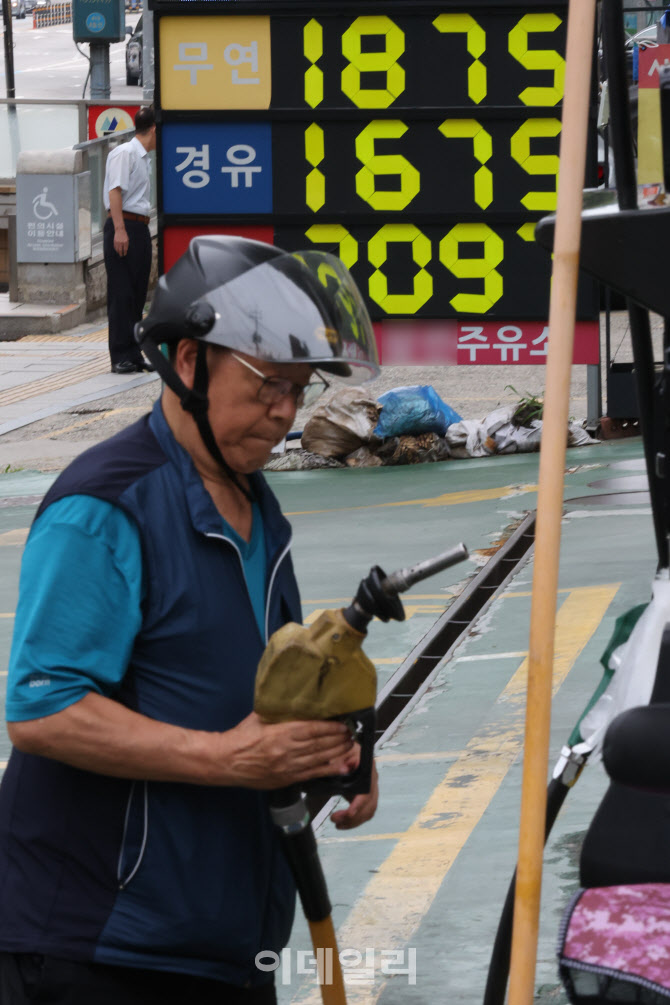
x=413, y=410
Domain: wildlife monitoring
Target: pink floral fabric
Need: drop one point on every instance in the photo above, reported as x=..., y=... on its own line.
x=624, y=929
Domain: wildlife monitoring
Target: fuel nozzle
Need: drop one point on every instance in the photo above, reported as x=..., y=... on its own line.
x=377, y=594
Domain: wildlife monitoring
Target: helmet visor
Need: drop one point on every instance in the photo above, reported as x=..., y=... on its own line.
x=301, y=307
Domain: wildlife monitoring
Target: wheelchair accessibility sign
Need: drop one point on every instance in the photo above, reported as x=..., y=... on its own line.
x=42, y=208
x=217, y=168
x=52, y=217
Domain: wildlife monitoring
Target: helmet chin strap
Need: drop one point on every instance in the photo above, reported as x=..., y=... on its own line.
x=195, y=401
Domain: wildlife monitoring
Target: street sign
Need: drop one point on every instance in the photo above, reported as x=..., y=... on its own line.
x=105, y=119
x=217, y=168
x=417, y=141
x=53, y=217
x=649, y=136
x=98, y=20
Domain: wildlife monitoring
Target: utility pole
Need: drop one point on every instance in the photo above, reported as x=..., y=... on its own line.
x=98, y=22
x=147, y=51
x=9, y=48
x=100, y=85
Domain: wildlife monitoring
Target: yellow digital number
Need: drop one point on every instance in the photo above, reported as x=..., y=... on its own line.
x=537, y=164
x=482, y=147
x=397, y=303
x=312, y=39
x=315, y=184
x=474, y=268
x=373, y=62
x=384, y=164
x=538, y=59
x=475, y=38
x=527, y=231
x=335, y=233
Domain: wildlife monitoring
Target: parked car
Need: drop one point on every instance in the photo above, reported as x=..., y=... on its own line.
x=22, y=7
x=134, y=56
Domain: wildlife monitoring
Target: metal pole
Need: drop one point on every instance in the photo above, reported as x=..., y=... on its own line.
x=147, y=52
x=562, y=311
x=100, y=87
x=594, y=401
x=9, y=48
x=626, y=186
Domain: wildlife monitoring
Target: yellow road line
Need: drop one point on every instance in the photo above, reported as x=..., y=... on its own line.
x=72, y=352
x=396, y=899
x=410, y=611
x=528, y=593
x=432, y=755
x=332, y=601
x=54, y=382
x=447, y=499
x=14, y=537
x=97, y=336
x=8, y=615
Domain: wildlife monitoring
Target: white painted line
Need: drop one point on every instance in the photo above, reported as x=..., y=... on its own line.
x=491, y=656
x=580, y=514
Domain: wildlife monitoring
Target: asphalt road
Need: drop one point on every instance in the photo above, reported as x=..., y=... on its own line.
x=47, y=63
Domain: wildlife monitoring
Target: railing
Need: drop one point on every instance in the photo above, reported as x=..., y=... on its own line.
x=38, y=124
x=54, y=13
x=30, y=124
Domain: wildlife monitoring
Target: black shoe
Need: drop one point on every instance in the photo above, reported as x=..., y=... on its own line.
x=125, y=366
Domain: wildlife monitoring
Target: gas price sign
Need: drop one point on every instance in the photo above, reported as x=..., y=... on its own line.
x=417, y=141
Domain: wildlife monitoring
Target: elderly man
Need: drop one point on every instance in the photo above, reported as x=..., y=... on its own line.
x=138, y=857
x=127, y=241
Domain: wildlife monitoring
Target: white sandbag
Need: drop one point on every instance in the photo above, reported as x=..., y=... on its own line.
x=634, y=664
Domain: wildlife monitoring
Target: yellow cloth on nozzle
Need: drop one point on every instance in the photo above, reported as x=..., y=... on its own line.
x=316, y=671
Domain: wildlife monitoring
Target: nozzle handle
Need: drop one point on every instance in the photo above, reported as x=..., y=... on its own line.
x=402, y=579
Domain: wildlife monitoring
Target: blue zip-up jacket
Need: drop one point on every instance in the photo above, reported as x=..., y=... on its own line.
x=169, y=876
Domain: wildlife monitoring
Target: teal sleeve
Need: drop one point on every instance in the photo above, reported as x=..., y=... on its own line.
x=79, y=607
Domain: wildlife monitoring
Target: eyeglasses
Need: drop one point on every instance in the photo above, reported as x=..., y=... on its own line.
x=273, y=389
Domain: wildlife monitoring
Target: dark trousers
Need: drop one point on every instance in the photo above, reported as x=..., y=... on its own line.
x=28, y=977
x=127, y=284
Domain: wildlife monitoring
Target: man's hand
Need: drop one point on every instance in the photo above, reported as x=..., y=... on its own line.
x=116, y=212
x=274, y=755
x=362, y=807
x=121, y=242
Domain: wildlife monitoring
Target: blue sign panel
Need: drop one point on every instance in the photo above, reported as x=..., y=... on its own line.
x=95, y=22
x=212, y=167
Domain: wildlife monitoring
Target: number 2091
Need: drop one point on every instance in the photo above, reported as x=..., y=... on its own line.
x=420, y=247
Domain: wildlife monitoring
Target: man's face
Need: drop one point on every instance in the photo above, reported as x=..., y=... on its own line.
x=245, y=429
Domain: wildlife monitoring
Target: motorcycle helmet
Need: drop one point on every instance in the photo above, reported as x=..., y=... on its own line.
x=254, y=298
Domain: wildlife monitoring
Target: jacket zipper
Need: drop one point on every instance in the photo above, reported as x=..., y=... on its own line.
x=222, y=537
x=123, y=882
x=282, y=556
x=270, y=585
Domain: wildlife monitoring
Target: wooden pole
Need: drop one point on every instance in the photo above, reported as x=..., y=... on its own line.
x=331, y=979
x=562, y=311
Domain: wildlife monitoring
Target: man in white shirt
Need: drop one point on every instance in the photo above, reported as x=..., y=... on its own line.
x=127, y=241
